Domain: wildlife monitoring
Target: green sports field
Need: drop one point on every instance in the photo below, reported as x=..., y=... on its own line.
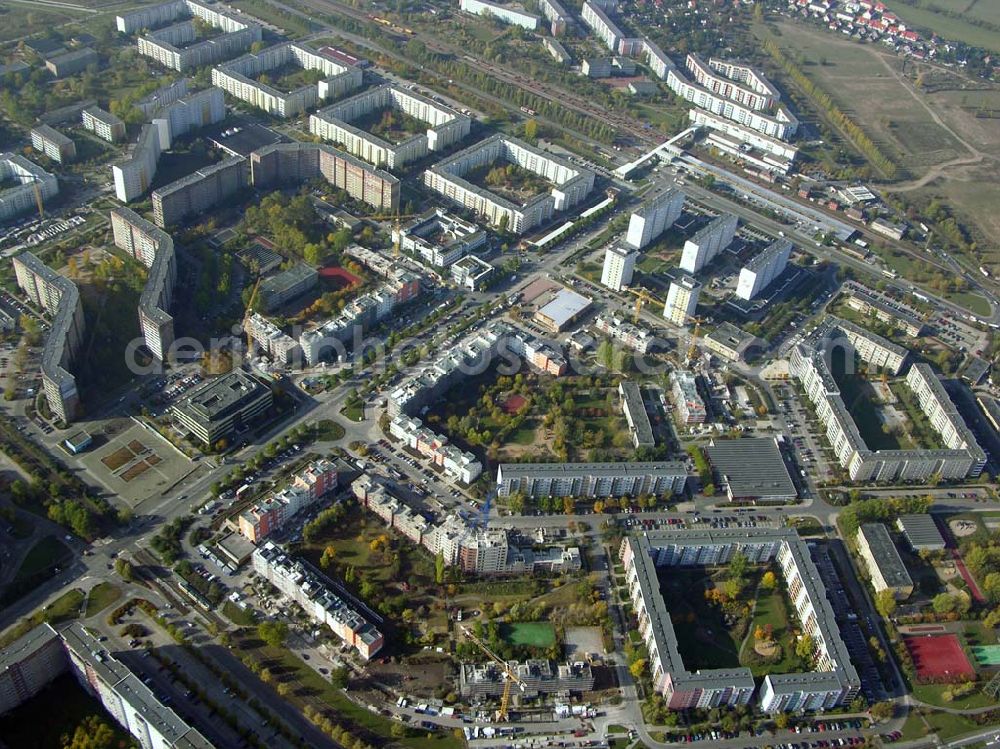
x=535, y=634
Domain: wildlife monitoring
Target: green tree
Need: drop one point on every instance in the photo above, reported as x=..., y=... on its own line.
x=439, y=568
x=804, y=647
x=273, y=633
x=885, y=603
x=124, y=569
x=91, y=733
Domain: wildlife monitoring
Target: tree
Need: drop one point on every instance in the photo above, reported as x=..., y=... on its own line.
x=91, y=733
x=598, y=506
x=329, y=556
x=339, y=676
x=804, y=647
x=885, y=603
x=515, y=503
x=882, y=710
x=943, y=603
x=638, y=668
x=284, y=689
x=273, y=633
x=530, y=130
x=124, y=569
x=781, y=721
x=769, y=581
x=439, y=568
x=569, y=505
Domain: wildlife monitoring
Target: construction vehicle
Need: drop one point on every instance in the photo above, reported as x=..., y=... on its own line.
x=510, y=678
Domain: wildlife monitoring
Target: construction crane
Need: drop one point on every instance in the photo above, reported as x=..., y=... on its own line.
x=510, y=678
x=249, y=311
x=643, y=297
x=693, y=348
x=38, y=199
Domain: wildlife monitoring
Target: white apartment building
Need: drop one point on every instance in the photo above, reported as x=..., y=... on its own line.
x=439, y=238
x=591, y=480
x=882, y=559
x=762, y=269
x=619, y=265
x=277, y=345
x=634, y=337
x=34, y=186
x=702, y=248
x=654, y=217
x=682, y=300
x=571, y=184
x=134, y=175
x=515, y=16
x=154, y=248
x=236, y=78
x=103, y=124
x=457, y=464
x=52, y=143
x=445, y=126
x=189, y=113
x=687, y=400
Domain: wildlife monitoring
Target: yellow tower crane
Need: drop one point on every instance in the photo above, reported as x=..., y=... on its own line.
x=642, y=298
x=38, y=199
x=693, y=348
x=510, y=678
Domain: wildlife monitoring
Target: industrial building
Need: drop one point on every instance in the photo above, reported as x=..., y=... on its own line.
x=583, y=480
x=446, y=127
x=571, y=184
x=619, y=266
x=762, y=269
x=635, y=414
x=52, y=143
x=154, y=248
x=514, y=15
x=348, y=618
x=682, y=300
x=225, y=405
x=885, y=566
x=702, y=248
x=34, y=187
x=236, y=78
x=103, y=124
x=199, y=191
x=752, y=469
x=834, y=682
x=60, y=299
x=299, y=162
x=653, y=217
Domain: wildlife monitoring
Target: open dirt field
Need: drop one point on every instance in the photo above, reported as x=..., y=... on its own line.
x=945, y=133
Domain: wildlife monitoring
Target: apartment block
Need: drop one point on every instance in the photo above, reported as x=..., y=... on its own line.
x=619, y=266
x=269, y=515
x=833, y=683
x=349, y=619
x=472, y=273
x=537, y=677
x=300, y=162
x=457, y=464
x=762, y=269
x=655, y=216
x=200, y=191
x=237, y=78
x=188, y=113
x=267, y=337
x=34, y=186
x=557, y=16
x=871, y=302
x=635, y=414
x=637, y=338
x=53, y=144
x=438, y=238
x=60, y=299
x=702, y=248
x=882, y=559
x=513, y=15
x=134, y=175
x=571, y=184
x=943, y=415
x=446, y=127
x=682, y=300
x=687, y=400
x=28, y=664
x=583, y=480
x=154, y=248
x=103, y=124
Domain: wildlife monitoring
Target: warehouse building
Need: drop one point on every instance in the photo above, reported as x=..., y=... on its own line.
x=752, y=469
x=285, y=286
x=563, y=310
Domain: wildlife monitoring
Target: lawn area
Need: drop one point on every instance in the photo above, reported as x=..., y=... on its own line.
x=236, y=615
x=925, y=18
x=309, y=687
x=972, y=302
x=48, y=553
x=914, y=727
x=861, y=404
x=949, y=725
x=63, y=609
x=771, y=610
x=535, y=634
x=101, y=596
x=931, y=694
x=354, y=412
x=327, y=430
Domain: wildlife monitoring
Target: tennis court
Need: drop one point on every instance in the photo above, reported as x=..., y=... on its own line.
x=986, y=655
x=939, y=656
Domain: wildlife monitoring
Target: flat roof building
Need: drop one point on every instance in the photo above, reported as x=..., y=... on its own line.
x=729, y=342
x=565, y=308
x=28, y=664
x=664, y=478
x=882, y=558
x=682, y=300
x=282, y=287
x=708, y=242
x=103, y=124
x=922, y=532
x=762, y=269
x=71, y=63
x=52, y=143
x=514, y=15
x=752, y=469
x=635, y=414
x=33, y=184
x=653, y=217
x=619, y=266
x=224, y=405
